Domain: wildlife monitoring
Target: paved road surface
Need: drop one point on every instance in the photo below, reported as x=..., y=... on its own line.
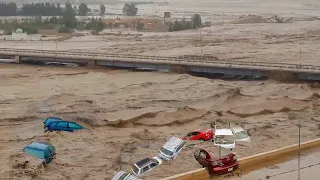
x=310, y=169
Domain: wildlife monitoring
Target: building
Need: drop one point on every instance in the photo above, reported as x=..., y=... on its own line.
x=19, y=35
x=152, y=24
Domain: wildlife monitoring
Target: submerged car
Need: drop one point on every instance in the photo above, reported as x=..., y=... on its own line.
x=221, y=162
x=121, y=175
x=49, y=120
x=57, y=124
x=199, y=135
x=44, y=151
x=240, y=134
x=171, y=148
x=224, y=138
x=140, y=168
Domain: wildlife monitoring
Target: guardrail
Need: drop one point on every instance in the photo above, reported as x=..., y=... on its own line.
x=252, y=162
x=172, y=60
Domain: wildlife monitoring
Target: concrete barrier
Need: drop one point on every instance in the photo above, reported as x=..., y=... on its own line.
x=253, y=162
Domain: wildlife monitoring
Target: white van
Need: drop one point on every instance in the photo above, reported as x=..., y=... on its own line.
x=224, y=138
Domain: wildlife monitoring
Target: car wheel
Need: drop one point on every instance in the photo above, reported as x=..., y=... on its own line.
x=201, y=139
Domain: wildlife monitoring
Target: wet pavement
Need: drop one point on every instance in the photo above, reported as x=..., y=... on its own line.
x=309, y=163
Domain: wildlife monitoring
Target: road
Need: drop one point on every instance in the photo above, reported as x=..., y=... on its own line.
x=190, y=61
x=310, y=166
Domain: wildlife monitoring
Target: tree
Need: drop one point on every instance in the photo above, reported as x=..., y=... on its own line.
x=83, y=9
x=100, y=26
x=139, y=26
x=129, y=9
x=102, y=9
x=196, y=21
x=8, y=9
x=69, y=16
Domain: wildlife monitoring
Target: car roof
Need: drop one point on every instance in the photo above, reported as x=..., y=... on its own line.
x=53, y=118
x=237, y=129
x=62, y=121
x=129, y=176
x=39, y=145
x=226, y=132
x=172, y=143
x=143, y=162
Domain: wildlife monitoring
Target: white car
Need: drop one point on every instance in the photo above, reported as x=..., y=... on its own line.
x=240, y=134
x=171, y=148
x=224, y=138
x=140, y=168
x=121, y=175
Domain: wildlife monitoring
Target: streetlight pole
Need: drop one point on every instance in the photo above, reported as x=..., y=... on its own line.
x=299, y=150
x=299, y=131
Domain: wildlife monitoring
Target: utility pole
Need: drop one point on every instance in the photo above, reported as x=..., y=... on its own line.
x=299, y=126
x=200, y=42
x=41, y=43
x=300, y=55
x=222, y=17
x=299, y=150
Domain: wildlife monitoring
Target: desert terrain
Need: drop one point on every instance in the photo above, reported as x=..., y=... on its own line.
x=231, y=37
x=129, y=115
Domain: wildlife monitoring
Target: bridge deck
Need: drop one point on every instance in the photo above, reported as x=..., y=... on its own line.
x=191, y=61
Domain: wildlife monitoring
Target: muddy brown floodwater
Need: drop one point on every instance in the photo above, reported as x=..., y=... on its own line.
x=129, y=115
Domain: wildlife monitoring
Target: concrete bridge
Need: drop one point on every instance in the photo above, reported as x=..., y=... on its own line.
x=193, y=65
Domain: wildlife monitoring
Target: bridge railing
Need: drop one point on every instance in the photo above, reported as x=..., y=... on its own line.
x=205, y=61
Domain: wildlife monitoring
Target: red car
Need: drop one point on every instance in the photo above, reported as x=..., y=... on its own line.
x=199, y=135
x=217, y=165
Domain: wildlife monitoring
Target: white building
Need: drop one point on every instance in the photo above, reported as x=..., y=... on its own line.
x=19, y=35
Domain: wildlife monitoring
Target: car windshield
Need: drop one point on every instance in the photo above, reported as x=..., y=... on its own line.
x=34, y=152
x=241, y=135
x=135, y=169
x=224, y=139
x=48, y=120
x=166, y=151
x=123, y=176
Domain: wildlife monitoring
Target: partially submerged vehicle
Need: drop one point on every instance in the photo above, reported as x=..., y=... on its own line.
x=199, y=135
x=57, y=124
x=44, y=151
x=50, y=119
x=224, y=138
x=145, y=165
x=240, y=134
x=218, y=163
x=121, y=175
x=171, y=148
